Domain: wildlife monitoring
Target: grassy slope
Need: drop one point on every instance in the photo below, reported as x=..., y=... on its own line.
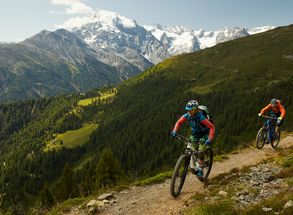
x=71, y=138
x=235, y=79
x=77, y=137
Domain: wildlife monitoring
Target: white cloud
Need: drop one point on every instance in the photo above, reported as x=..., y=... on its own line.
x=74, y=22
x=72, y=7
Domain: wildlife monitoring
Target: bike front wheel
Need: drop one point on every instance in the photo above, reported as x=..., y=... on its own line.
x=179, y=175
x=260, y=138
x=276, y=138
x=208, y=163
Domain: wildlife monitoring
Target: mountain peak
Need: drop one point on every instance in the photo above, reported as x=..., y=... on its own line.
x=112, y=18
x=102, y=19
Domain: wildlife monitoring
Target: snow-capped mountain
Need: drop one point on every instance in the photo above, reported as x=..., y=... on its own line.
x=116, y=34
x=144, y=46
x=104, y=48
x=180, y=39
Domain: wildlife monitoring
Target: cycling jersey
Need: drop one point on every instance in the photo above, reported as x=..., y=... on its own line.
x=199, y=125
x=278, y=110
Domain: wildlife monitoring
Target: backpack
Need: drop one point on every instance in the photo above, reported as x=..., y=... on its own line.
x=206, y=113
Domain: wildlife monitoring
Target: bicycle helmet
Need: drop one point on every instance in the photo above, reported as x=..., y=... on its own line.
x=193, y=104
x=273, y=102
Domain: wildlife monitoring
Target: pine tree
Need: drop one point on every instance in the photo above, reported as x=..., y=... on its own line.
x=47, y=198
x=66, y=188
x=109, y=171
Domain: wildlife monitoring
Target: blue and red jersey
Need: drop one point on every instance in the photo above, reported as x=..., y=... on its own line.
x=199, y=125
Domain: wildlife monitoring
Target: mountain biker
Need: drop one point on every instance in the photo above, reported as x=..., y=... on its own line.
x=277, y=110
x=201, y=127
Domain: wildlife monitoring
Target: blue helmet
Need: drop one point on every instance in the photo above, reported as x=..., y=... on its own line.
x=273, y=102
x=191, y=105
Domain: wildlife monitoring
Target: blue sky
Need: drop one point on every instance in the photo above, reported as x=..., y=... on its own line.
x=20, y=19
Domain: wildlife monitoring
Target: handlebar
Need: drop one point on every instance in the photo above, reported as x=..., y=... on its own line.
x=268, y=117
x=180, y=137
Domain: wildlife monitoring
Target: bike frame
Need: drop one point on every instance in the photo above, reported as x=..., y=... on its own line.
x=191, y=148
x=190, y=145
x=270, y=125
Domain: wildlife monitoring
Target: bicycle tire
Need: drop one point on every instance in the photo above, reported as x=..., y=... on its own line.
x=182, y=162
x=260, y=138
x=275, y=142
x=209, y=162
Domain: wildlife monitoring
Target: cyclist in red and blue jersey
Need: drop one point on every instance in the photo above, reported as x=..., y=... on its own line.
x=201, y=128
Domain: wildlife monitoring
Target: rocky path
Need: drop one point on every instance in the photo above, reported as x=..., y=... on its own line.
x=156, y=199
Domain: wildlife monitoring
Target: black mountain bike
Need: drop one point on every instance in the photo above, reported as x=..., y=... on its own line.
x=268, y=133
x=181, y=167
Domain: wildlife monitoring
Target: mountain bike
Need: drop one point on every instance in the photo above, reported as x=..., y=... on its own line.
x=190, y=154
x=268, y=133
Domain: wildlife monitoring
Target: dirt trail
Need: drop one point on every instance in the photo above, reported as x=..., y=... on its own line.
x=156, y=199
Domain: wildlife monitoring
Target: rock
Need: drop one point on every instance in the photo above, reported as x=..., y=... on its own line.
x=266, y=209
x=112, y=201
x=269, y=177
x=253, y=168
x=242, y=197
x=254, y=183
x=288, y=204
x=106, y=201
x=92, y=210
x=243, y=192
x=105, y=196
x=266, y=169
x=223, y=193
x=92, y=203
x=101, y=204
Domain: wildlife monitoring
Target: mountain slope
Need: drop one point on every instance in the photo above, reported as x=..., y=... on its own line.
x=51, y=63
x=138, y=199
x=234, y=79
x=104, y=50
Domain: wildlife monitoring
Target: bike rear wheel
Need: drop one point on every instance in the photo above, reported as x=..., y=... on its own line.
x=276, y=139
x=179, y=175
x=260, y=138
x=208, y=163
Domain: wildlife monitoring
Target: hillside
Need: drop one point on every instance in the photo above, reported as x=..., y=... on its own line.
x=248, y=179
x=55, y=63
x=234, y=79
x=105, y=50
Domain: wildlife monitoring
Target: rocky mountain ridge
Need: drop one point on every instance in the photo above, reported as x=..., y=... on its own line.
x=110, y=31
x=105, y=50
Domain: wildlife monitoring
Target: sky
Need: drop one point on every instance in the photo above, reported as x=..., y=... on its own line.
x=21, y=19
